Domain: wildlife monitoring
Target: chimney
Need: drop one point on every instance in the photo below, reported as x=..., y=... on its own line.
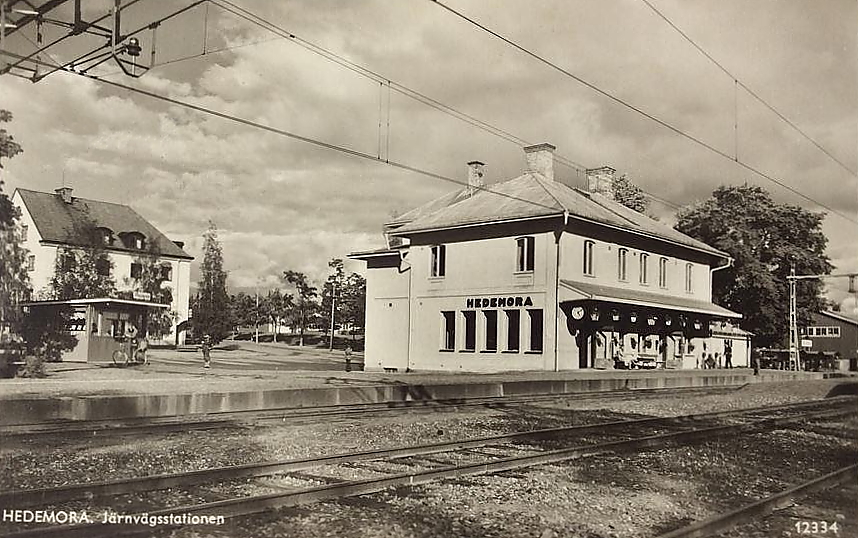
x=475, y=177
x=65, y=194
x=600, y=180
x=540, y=159
x=180, y=244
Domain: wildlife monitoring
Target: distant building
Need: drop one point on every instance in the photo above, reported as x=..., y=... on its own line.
x=532, y=274
x=51, y=222
x=834, y=332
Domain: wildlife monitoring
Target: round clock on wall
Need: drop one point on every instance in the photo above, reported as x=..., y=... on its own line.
x=577, y=312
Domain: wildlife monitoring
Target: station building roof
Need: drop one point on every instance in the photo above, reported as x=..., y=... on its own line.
x=531, y=196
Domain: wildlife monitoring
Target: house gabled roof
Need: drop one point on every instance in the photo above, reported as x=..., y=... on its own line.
x=529, y=196
x=62, y=223
x=839, y=316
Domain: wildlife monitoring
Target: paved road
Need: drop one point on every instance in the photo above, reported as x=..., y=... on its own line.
x=251, y=356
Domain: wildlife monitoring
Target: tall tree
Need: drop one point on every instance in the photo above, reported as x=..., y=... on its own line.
x=354, y=301
x=278, y=305
x=629, y=194
x=305, y=304
x=149, y=274
x=765, y=239
x=14, y=279
x=211, y=306
x=332, y=292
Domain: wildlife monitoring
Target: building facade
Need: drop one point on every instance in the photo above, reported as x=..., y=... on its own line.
x=51, y=222
x=532, y=274
x=834, y=332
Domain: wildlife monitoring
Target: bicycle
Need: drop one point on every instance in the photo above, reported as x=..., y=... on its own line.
x=121, y=357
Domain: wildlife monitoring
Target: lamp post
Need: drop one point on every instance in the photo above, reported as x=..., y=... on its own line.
x=333, y=310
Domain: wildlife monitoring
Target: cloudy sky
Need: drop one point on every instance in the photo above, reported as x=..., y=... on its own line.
x=280, y=203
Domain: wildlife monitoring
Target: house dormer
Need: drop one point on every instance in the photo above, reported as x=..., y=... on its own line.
x=104, y=236
x=133, y=240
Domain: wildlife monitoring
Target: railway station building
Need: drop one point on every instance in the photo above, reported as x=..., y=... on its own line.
x=534, y=274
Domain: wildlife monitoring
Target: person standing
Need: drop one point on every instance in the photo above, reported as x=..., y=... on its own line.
x=207, y=348
x=728, y=355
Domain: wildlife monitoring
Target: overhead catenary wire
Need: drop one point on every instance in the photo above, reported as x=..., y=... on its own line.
x=745, y=87
x=231, y=7
x=638, y=110
x=295, y=136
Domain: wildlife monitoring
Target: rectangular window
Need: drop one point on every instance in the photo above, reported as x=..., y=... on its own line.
x=524, y=253
x=588, y=258
x=439, y=261
x=470, y=330
x=136, y=270
x=662, y=272
x=31, y=263
x=448, y=342
x=167, y=272
x=102, y=267
x=24, y=230
x=513, y=324
x=688, y=270
x=491, y=318
x=68, y=261
x=644, y=276
x=621, y=263
x=535, y=330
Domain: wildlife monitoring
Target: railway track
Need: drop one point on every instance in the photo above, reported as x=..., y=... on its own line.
x=239, y=419
x=763, y=507
x=374, y=471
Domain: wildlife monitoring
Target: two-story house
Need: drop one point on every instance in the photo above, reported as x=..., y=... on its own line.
x=532, y=274
x=51, y=222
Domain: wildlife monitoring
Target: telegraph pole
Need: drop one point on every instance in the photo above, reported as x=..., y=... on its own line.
x=794, y=344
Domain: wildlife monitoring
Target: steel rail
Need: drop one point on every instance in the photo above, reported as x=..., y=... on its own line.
x=228, y=418
x=763, y=507
x=260, y=503
x=44, y=496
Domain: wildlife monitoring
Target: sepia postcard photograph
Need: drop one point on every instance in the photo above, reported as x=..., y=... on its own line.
x=429, y=268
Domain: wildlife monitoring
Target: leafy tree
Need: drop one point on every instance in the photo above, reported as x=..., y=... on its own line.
x=354, y=301
x=333, y=290
x=278, y=305
x=305, y=305
x=150, y=279
x=629, y=194
x=211, y=304
x=764, y=238
x=14, y=280
x=239, y=307
x=83, y=271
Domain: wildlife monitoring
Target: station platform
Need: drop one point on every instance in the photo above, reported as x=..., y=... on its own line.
x=83, y=392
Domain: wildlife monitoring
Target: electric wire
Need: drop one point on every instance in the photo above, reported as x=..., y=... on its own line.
x=640, y=111
x=747, y=89
x=249, y=16
x=295, y=136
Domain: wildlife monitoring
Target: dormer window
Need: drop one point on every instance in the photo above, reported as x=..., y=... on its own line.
x=104, y=235
x=134, y=240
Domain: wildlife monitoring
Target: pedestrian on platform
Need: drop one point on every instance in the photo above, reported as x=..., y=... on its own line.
x=728, y=356
x=710, y=362
x=207, y=349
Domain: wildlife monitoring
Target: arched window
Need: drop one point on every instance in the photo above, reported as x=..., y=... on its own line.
x=662, y=272
x=644, y=272
x=688, y=276
x=588, y=257
x=622, y=254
